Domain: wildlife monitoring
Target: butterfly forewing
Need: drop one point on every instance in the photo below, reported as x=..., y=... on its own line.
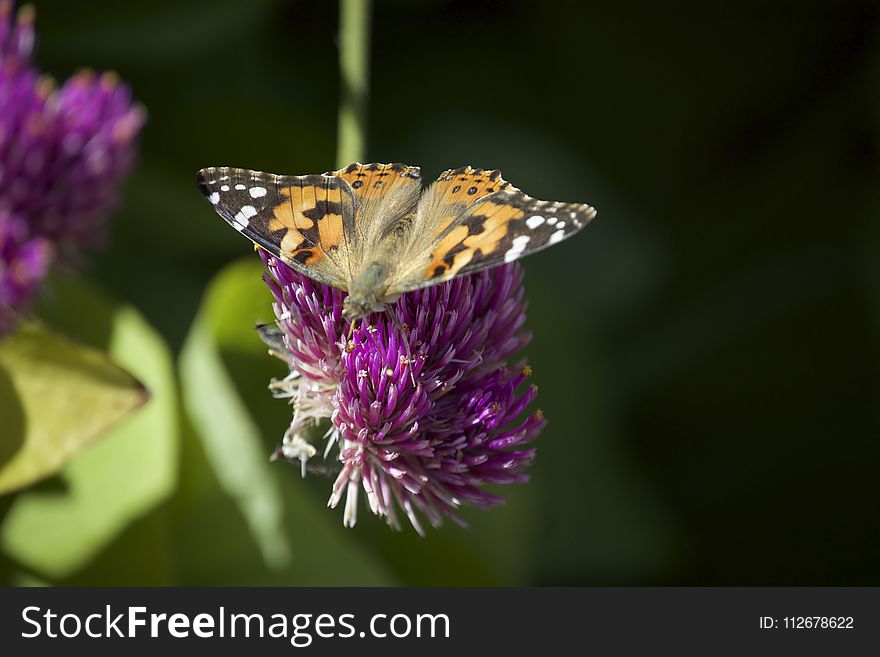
x=299, y=219
x=493, y=228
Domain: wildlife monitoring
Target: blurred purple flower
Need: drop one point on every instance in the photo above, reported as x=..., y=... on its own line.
x=424, y=449
x=23, y=263
x=63, y=154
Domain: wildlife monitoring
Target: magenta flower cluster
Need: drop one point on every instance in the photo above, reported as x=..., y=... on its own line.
x=64, y=153
x=425, y=449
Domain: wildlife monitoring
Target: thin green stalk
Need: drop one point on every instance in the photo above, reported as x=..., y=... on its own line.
x=354, y=62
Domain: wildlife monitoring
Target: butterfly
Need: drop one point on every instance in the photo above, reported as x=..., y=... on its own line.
x=371, y=230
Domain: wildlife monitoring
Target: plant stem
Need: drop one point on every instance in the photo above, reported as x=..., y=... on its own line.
x=354, y=61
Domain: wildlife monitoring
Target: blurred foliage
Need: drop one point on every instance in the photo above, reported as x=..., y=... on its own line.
x=707, y=351
x=57, y=527
x=229, y=436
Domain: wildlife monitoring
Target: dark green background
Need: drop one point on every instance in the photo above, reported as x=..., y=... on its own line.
x=706, y=351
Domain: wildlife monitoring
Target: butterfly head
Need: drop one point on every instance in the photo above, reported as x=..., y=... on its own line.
x=368, y=291
x=356, y=306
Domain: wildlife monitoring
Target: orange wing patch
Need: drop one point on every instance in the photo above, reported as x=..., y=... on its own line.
x=480, y=235
x=467, y=185
x=312, y=217
x=495, y=222
x=295, y=247
x=330, y=233
x=289, y=216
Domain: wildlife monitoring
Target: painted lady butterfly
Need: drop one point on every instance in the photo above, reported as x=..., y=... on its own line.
x=371, y=230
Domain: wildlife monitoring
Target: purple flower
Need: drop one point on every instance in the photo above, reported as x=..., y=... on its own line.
x=23, y=263
x=64, y=153
x=423, y=449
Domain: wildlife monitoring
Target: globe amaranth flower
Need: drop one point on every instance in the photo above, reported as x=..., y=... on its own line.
x=64, y=152
x=424, y=411
x=23, y=263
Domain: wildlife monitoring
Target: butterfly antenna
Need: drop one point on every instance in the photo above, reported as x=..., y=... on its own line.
x=405, y=338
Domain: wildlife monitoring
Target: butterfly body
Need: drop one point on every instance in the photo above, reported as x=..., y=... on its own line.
x=371, y=230
x=368, y=292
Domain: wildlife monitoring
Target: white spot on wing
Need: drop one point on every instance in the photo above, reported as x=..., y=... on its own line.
x=224, y=188
x=242, y=216
x=555, y=237
x=214, y=198
x=534, y=222
x=515, y=251
x=257, y=192
x=551, y=220
x=560, y=225
x=240, y=187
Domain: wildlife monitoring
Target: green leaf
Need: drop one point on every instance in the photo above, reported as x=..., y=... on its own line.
x=289, y=536
x=56, y=398
x=55, y=530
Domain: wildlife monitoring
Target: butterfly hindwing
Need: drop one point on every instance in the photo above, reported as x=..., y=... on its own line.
x=372, y=182
x=384, y=193
x=466, y=185
x=299, y=219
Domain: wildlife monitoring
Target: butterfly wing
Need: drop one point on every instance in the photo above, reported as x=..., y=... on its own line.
x=472, y=219
x=374, y=183
x=306, y=221
x=384, y=194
